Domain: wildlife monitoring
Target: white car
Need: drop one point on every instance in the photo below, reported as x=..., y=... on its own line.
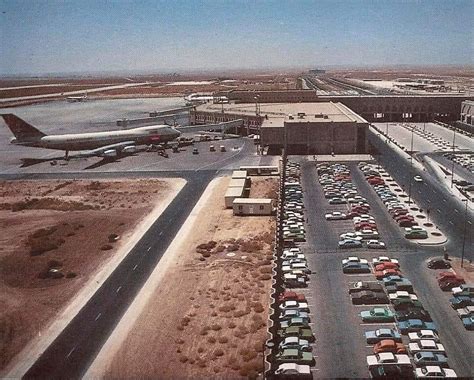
x=387, y=358
x=293, y=370
x=354, y=259
x=369, y=234
x=466, y=312
x=290, y=255
x=301, y=306
x=375, y=244
x=435, y=371
x=423, y=334
x=383, y=259
x=351, y=236
x=426, y=345
x=336, y=215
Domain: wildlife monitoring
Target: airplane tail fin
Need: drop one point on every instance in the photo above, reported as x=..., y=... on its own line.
x=21, y=129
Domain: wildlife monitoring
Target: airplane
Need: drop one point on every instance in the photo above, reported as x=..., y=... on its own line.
x=73, y=99
x=103, y=144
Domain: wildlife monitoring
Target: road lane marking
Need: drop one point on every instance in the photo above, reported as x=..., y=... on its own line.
x=70, y=352
x=148, y=250
x=438, y=210
x=161, y=233
x=469, y=222
x=450, y=222
x=456, y=211
x=98, y=316
x=444, y=200
x=118, y=289
x=135, y=267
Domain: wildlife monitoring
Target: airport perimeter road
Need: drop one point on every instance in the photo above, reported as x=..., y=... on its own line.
x=72, y=352
x=340, y=348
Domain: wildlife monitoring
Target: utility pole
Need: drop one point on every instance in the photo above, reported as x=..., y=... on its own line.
x=464, y=233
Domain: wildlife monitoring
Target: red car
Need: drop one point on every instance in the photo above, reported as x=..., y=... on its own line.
x=291, y=296
x=365, y=226
x=398, y=218
x=398, y=212
x=451, y=283
x=352, y=214
x=386, y=265
x=407, y=223
x=374, y=182
x=387, y=272
x=443, y=276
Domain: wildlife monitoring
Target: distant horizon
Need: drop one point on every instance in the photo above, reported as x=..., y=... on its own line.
x=218, y=71
x=89, y=36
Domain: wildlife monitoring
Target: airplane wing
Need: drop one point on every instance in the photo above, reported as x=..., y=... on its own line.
x=112, y=150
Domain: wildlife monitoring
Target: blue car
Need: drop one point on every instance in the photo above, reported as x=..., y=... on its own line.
x=412, y=325
x=461, y=301
x=468, y=322
x=392, y=280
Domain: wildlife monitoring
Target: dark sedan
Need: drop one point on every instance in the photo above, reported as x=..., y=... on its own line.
x=369, y=298
x=413, y=313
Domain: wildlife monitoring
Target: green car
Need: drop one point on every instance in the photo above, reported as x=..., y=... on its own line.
x=300, y=332
x=293, y=355
x=378, y=314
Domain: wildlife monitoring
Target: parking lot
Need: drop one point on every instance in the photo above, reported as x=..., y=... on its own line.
x=340, y=348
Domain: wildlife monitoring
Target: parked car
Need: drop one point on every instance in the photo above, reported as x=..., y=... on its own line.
x=377, y=314
x=293, y=371
x=354, y=259
x=392, y=371
x=412, y=325
x=366, y=285
x=425, y=345
x=369, y=298
x=387, y=265
x=376, y=336
x=466, y=311
x=294, y=322
x=463, y=290
x=295, y=342
x=336, y=215
x=301, y=332
x=384, y=259
x=294, y=313
x=423, y=334
x=468, y=322
x=356, y=268
x=413, y=313
x=289, y=295
x=389, y=345
x=387, y=358
x=438, y=264
x=295, y=305
x=380, y=274
x=461, y=301
x=427, y=358
x=375, y=244
x=294, y=356
x=349, y=243
x=434, y=371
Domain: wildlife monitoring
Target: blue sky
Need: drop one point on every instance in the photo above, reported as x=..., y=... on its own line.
x=74, y=36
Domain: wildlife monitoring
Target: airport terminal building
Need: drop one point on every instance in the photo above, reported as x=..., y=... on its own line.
x=303, y=128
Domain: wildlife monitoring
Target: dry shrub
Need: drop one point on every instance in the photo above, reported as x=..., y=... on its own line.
x=211, y=340
x=232, y=247
x=240, y=313
x=200, y=350
x=251, y=246
x=216, y=369
x=183, y=359
x=223, y=339
x=227, y=298
x=180, y=328
x=185, y=321
x=219, y=249
x=251, y=369
x=227, y=307
x=216, y=327
x=231, y=325
x=265, y=269
x=219, y=352
x=203, y=331
x=205, y=254
x=258, y=307
x=201, y=364
x=214, y=314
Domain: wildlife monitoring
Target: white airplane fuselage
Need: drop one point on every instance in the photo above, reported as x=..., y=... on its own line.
x=92, y=140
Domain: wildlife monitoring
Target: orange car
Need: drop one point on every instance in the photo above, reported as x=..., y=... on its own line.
x=389, y=345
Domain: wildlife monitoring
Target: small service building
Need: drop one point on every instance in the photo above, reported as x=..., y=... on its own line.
x=253, y=206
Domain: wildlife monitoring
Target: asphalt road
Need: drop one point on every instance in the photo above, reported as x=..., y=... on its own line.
x=72, y=352
x=340, y=348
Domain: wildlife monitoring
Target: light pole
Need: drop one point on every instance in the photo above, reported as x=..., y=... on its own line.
x=464, y=234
